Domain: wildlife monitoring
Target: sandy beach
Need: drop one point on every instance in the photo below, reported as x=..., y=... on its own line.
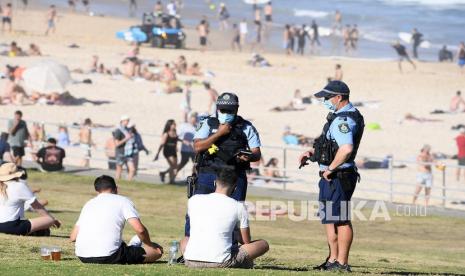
x=417, y=92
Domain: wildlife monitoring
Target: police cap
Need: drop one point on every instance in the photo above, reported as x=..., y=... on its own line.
x=227, y=101
x=333, y=88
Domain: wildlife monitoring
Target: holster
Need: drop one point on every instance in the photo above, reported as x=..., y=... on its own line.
x=345, y=177
x=191, y=183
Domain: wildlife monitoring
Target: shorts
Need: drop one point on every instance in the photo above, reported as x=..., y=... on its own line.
x=239, y=259
x=169, y=152
x=6, y=19
x=51, y=23
x=124, y=255
x=86, y=150
x=16, y=227
x=268, y=18
x=121, y=159
x=18, y=151
x=425, y=179
x=461, y=161
x=203, y=41
x=461, y=62
x=334, y=198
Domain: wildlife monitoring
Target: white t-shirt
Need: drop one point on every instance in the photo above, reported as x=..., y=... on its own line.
x=101, y=225
x=171, y=9
x=213, y=218
x=243, y=28
x=12, y=207
x=186, y=132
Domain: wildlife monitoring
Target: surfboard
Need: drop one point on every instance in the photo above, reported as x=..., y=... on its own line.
x=258, y=2
x=407, y=38
x=134, y=34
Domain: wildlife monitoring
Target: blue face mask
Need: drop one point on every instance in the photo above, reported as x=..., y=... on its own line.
x=226, y=118
x=329, y=105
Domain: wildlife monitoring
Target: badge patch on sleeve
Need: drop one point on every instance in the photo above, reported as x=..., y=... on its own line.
x=344, y=128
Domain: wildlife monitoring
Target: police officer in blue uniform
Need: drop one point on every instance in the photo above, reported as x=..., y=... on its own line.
x=224, y=140
x=335, y=151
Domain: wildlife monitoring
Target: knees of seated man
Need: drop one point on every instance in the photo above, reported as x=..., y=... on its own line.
x=256, y=248
x=152, y=253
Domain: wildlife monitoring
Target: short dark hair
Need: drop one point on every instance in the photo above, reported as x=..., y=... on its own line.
x=458, y=93
x=104, y=182
x=227, y=177
x=18, y=112
x=344, y=97
x=52, y=140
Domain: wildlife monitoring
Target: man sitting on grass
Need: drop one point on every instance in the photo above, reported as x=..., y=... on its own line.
x=50, y=158
x=213, y=219
x=99, y=229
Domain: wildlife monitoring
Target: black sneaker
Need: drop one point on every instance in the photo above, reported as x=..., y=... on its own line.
x=334, y=266
x=345, y=268
x=162, y=177
x=180, y=260
x=322, y=266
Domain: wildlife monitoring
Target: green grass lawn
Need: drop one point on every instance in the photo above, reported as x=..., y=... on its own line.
x=404, y=245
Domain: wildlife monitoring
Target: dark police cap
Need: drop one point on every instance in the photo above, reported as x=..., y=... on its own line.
x=227, y=101
x=333, y=88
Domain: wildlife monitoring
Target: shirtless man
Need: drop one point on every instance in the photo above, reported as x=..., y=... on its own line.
x=85, y=141
x=457, y=103
x=51, y=19
x=202, y=30
x=6, y=17
x=425, y=174
x=213, y=94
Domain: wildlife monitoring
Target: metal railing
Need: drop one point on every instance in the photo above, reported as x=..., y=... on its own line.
x=381, y=181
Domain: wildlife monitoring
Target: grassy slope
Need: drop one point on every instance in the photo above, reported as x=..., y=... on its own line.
x=402, y=245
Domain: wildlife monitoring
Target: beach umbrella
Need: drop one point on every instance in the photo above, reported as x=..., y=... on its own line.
x=47, y=77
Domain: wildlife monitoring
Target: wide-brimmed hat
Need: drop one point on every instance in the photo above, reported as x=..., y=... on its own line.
x=9, y=171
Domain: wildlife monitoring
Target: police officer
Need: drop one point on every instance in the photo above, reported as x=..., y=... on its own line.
x=224, y=140
x=335, y=152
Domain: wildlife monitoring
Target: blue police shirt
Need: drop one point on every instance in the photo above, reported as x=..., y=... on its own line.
x=342, y=130
x=249, y=130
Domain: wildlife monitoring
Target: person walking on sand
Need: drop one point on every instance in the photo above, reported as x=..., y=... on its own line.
x=243, y=32
x=213, y=96
x=223, y=15
x=460, y=140
x=51, y=20
x=169, y=144
x=402, y=53
x=85, y=141
x=202, y=30
x=425, y=174
x=236, y=41
x=461, y=57
x=7, y=13
x=288, y=40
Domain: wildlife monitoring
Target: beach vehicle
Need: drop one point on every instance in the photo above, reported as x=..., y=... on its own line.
x=160, y=30
x=163, y=30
